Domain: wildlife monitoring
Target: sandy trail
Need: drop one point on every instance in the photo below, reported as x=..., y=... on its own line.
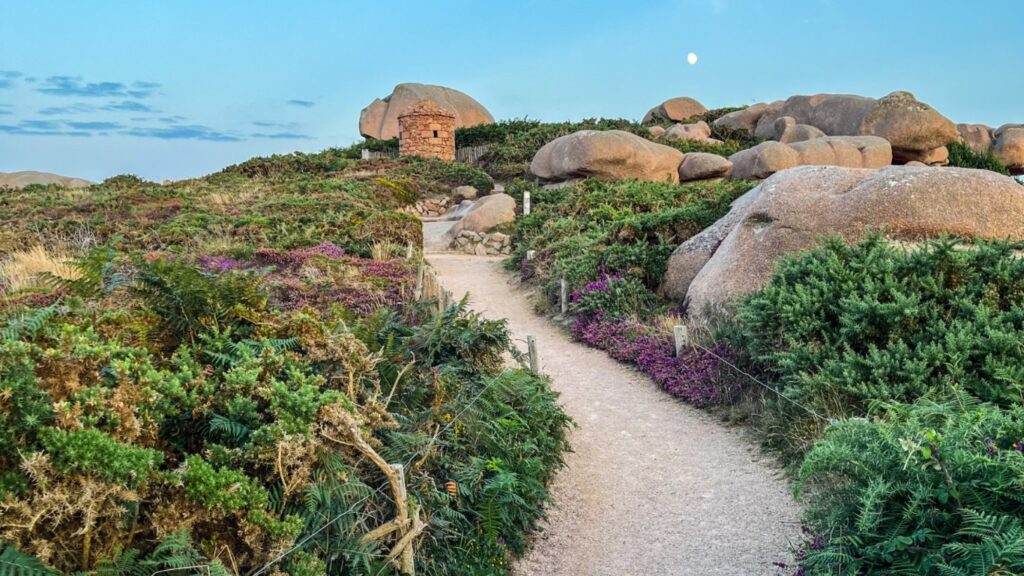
x=653, y=487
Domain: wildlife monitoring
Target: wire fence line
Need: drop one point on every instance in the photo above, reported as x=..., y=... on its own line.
x=762, y=384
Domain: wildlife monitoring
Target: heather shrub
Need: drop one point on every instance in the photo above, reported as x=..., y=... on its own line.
x=922, y=488
x=697, y=375
x=843, y=325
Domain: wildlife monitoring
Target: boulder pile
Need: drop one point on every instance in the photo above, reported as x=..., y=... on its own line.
x=428, y=207
x=915, y=130
x=770, y=157
x=482, y=244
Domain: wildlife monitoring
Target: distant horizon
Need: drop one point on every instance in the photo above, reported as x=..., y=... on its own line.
x=178, y=91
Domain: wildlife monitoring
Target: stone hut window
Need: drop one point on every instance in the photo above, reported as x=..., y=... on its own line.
x=435, y=133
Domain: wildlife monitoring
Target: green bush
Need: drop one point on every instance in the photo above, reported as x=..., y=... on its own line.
x=963, y=156
x=615, y=297
x=927, y=488
x=624, y=228
x=285, y=165
x=843, y=325
x=94, y=452
x=447, y=174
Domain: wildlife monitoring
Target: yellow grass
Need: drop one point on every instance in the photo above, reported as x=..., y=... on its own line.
x=23, y=269
x=384, y=250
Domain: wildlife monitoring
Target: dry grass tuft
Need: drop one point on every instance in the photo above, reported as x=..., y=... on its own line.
x=24, y=268
x=385, y=250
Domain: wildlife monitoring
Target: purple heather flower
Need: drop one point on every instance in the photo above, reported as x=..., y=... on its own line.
x=695, y=376
x=218, y=263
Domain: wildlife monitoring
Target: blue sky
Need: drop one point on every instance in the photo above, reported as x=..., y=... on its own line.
x=180, y=88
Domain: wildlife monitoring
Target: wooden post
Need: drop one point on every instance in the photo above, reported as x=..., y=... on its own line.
x=408, y=251
x=526, y=203
x=564, y=295
x=407, y=559
x=531, y=349
x=419, y=281
x=682, y=337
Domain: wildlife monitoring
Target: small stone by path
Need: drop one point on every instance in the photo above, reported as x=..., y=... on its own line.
x=653, y=487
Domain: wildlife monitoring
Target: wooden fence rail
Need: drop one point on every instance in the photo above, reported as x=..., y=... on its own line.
x=466, y=154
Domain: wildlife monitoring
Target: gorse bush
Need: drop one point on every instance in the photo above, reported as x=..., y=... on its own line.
x=963, y=156
x=928, y=488
x=843, y=325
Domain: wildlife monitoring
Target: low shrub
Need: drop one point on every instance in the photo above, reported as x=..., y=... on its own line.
x=923, y=488
x=288, y=165
x=963, y=156
x=843, y=325
x=614, y=297
x=697, y=375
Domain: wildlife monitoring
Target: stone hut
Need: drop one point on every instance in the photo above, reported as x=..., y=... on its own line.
x=427, y=129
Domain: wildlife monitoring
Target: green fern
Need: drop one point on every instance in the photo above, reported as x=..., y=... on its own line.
x=98, y=275
x=28, y=324
x=15, y=563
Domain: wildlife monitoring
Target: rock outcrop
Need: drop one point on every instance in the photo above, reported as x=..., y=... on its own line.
x=379, y=120
x=609, y=154
x=745, y=119
x=788, y=131
x=1008, y=146
x=487, y=213
x=675, y=110
x=763, y=160
x=687, y=259
x=698, y=131
x=703, y=166
x=793, y=210
x=25, y=178
x=770, y=157
x=977, y=136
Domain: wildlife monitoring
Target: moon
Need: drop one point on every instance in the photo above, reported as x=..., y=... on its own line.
x=691, y=58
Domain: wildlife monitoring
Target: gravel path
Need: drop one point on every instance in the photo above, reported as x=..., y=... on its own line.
x=653, y=487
